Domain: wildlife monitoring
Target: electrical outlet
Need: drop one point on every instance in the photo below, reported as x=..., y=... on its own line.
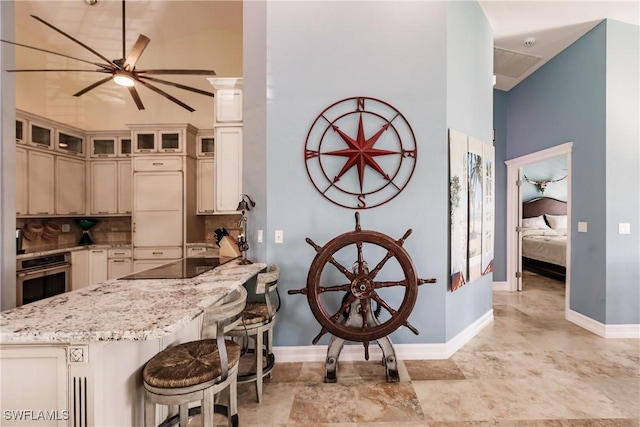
x=624, y=228
x=259, y=236
x=66, y=228
x=582, y=227
x=279, y=236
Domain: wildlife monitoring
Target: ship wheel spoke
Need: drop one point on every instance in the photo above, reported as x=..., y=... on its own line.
x=343, y=288
x=383, y=303
x=389, y=284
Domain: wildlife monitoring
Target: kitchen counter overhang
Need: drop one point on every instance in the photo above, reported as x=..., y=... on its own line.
x=122, y=309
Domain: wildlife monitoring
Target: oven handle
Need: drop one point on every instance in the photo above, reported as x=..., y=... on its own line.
x=47, y=271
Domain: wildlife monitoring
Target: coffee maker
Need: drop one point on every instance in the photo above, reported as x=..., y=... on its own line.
x=19, y=239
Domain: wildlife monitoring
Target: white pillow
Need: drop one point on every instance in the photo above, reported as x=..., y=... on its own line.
x=535, y=223
x=556, y=221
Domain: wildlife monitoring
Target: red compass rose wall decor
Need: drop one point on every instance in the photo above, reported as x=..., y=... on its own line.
x=360, y=152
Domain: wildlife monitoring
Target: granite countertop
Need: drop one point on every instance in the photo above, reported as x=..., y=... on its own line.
x=34, y=252
x=122, y=309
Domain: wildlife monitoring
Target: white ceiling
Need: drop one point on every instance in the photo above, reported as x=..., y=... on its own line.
x=554, y=25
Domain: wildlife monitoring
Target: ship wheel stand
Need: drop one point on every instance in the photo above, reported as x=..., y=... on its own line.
x=356, y=320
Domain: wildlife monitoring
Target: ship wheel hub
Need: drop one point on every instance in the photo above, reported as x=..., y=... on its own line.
x=362, y=287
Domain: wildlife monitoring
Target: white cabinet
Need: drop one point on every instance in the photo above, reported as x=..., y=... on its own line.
x=41, y=187
x=40, y=136
x=35, y=378
x=206, y=143
x=206, y=179
x=125, y=190
x=79, y=269
x=195, y=251
x=228, y=168
x=104, y=187
x=21, y=181
x=21, y=131
x=158, y=205
x=119, y=263
x=98, y=268
x=110, y=187
x=153, y=140
x=70, y=143
x=70, y=186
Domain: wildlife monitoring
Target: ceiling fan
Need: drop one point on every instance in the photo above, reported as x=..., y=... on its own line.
x=122, y=71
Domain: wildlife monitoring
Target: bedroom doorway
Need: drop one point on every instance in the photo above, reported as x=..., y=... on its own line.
x=515, y=174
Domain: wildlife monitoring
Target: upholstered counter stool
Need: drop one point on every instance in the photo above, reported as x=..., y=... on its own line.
x=198, y=370
x=257, y=323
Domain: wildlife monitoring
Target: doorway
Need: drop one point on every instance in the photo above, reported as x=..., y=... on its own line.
x=514, y=214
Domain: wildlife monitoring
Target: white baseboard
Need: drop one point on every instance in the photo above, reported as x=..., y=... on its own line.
x=600, y=329
x=354, y=352
x=501, y=286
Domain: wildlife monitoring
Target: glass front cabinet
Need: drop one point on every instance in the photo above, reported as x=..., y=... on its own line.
x=161, y=141
x=40, y=136
x=70, y=143
x=206, y=143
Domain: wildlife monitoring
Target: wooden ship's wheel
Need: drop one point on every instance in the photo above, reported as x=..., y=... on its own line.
x=356, y=320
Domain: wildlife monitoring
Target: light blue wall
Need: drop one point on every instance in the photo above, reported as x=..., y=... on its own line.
x=588, y=94
x=317, y=54
x=469, y=110
x=500, y=144
x=565, y=101
x=623, y=173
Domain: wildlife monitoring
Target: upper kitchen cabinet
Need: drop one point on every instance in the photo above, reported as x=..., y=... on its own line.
x=228, y=100
x=206, y=143
x=70, y=143
x=109, y=144
x=40, y=136
x=21, y=181
x=70, y=186
x=170, y=139
x=41, y=178
x=21, y=131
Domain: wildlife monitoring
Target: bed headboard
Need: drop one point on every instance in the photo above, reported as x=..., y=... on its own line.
x=543, y=205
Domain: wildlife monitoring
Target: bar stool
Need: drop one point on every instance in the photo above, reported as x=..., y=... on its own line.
x=257, y=323
x=198, y=370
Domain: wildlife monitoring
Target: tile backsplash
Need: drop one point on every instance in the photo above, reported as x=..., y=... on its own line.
x=112, y=230
x=108, y=230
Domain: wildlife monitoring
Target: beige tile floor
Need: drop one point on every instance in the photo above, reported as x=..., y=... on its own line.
x=529, y=368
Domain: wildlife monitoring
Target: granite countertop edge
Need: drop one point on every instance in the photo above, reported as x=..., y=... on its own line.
x=114, y=245
x=116, y=310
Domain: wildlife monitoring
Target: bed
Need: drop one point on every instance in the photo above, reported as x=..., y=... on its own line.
x=544, y=237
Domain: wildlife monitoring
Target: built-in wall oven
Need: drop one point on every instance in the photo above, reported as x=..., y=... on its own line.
x=42, y=277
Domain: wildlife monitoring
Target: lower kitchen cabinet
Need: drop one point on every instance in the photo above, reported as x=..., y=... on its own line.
x=119, y=263
x=79, y=269
x=98, y=266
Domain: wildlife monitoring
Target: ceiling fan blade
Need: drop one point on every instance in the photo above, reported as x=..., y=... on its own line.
x=178, y=72
x=178, y=85
x=51, y=52
x=166, y=95
x=136, y=97
x=93, y=86
x=107, y=60
x=52, y=69
x=136, y=51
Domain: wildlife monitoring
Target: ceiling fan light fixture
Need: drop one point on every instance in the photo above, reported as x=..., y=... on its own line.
x=124, y=80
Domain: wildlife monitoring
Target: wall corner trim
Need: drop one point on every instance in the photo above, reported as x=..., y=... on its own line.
x=602, y=330
x=355, y=352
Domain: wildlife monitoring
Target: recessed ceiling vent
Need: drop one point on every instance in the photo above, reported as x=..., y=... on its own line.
x=511, y=63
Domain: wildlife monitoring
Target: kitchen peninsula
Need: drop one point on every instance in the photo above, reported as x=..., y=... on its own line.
x=79, y=355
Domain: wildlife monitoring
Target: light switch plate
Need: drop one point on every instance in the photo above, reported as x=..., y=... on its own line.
x=582, y=227
x=279, y=236
x=624, y=228
x=259, y=236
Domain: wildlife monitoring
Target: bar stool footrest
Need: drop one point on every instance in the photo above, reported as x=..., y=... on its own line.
x=197, y=410
x=251, y=376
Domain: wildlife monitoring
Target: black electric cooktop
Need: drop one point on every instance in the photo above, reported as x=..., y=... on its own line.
x=181, y=269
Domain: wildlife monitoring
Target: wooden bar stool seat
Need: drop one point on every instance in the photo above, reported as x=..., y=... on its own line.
x=198, y=370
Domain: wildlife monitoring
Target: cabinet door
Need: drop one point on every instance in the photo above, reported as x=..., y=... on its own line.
x=71, y=144
x=144, y=142
x=103, y=147
x=125, y=189
x=70, y=186
x=228, y=105
x=206, y=177
x=35, y=378
x=79, y=269
x=104, y=187
x=170, y=141
x=158, y=205
x=119, y=267
x=97, y=266
x=21, y=181
x=228, y=168
x=41, y=183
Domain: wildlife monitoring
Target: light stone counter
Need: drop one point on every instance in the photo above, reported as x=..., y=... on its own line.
x=35, y=252
x=122, y=309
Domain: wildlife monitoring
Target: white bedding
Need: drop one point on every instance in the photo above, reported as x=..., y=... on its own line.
x=545, y=245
